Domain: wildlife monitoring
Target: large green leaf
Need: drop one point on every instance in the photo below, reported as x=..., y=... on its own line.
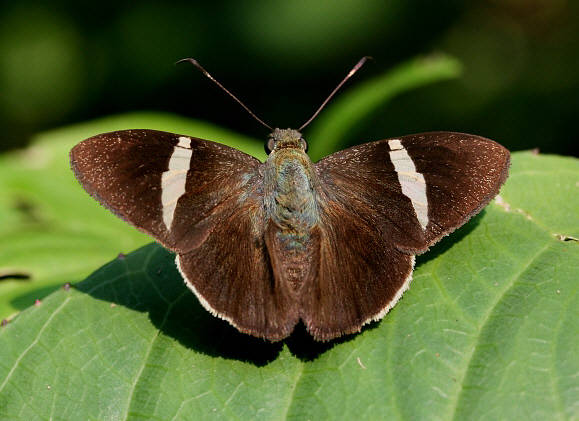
x=488, y=330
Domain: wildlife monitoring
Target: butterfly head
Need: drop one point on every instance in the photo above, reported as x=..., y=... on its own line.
x=285, y=138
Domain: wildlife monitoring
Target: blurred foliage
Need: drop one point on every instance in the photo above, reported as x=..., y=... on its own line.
x=64, y=61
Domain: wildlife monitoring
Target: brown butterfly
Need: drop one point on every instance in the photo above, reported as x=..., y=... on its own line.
x=264, y=245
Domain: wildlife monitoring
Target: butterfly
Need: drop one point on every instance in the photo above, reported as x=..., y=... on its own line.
x=265, y=245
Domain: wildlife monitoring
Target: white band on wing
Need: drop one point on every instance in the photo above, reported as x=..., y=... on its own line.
x=412, y=182
x=173, y=180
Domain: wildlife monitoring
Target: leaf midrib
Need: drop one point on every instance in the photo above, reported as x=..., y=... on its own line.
x=147, y=355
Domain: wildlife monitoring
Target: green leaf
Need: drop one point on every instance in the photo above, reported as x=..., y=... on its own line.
x=545, y=189
x=488, y=330
x=51, y=231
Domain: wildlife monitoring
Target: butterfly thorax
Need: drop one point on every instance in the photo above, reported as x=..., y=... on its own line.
x=289, y=181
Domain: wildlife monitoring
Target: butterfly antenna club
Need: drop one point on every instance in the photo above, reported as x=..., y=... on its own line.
x=348, y=76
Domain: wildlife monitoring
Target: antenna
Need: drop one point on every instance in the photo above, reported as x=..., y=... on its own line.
x=206, y=73
x=348, y=76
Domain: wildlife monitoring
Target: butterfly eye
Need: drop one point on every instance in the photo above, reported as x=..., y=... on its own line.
x=269, y=146
x=304, y=145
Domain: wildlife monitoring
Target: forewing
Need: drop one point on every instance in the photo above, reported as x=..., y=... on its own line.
x=415, y=189
x=175, y=188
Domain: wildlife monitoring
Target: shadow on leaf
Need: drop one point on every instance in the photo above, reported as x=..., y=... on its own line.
x=450, y=240
x=147, y=280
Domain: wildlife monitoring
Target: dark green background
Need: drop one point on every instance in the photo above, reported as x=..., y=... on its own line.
x=69, y=61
